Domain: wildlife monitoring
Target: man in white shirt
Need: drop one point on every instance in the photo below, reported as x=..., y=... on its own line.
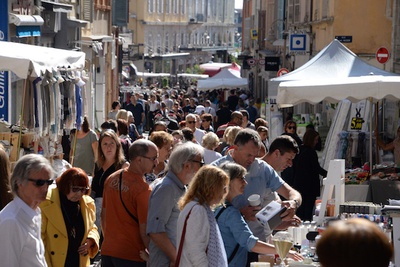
x=21, y=219
x=191, y=124
x=154, y=105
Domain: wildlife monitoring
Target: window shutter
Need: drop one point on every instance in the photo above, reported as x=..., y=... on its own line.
x=87, y=10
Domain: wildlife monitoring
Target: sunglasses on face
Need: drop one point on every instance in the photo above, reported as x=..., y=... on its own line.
x=199, y=162
x=291, y=127
x=40, y=182
x=190, y=122
x=76, y=189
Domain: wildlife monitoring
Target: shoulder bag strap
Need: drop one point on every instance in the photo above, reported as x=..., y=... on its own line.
x=120, y=196
x=178, y=257
x=237, y=244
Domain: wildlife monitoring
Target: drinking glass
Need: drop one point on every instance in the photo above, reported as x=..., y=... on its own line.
x=283, y=242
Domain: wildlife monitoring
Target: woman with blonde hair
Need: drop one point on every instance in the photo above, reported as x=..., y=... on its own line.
x=229, y=138
x=122, y=114
x=210, y=142
x=202, y=245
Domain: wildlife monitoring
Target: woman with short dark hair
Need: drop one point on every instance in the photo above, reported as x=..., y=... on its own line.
x=69, y=233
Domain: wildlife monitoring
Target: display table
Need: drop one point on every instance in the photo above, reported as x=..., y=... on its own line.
x=382, y=190
x=355, y=192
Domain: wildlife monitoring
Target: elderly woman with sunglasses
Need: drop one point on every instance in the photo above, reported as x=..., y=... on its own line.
x=69, y=233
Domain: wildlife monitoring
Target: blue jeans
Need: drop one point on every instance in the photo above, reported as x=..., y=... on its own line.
x=139, y=128
x=108, y=261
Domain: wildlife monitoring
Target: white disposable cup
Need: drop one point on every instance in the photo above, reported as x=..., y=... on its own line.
x=254, y=200
x=260, y=264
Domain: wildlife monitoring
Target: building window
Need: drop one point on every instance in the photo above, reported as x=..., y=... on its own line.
x=150, y=6
x=149, y=42
x=160, y=6
x=166, y=42
x=183, y=6
x=167, y=6
x=325, y=9
x=175, y=6
x=296, y=11
x=158, y=44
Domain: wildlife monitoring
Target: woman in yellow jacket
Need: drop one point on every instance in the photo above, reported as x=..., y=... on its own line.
x=69, y=233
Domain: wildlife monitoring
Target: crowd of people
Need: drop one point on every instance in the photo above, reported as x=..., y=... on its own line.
x=176, y=198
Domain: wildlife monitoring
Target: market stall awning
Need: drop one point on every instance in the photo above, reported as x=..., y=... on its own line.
x=194, y=76
x=226, y=79
x=152, y=74
x=26, y=20
x=56, y=7
x=24, y=60
x=212, y=68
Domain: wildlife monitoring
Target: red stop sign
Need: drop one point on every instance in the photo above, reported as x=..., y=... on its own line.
x=382, y=55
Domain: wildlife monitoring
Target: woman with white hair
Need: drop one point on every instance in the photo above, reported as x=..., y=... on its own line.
x=210, y=142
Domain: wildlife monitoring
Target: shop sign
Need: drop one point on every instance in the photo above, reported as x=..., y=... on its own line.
x=4, y=90
x=357, y=121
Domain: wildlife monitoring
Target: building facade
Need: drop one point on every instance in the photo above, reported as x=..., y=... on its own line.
x=172, y=36
x=363, y=26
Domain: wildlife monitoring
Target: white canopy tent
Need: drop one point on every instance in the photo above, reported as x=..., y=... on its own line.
x=30, y=60
x=334, y=90
x=225, y=79
x=372, y=87
x=335, y=61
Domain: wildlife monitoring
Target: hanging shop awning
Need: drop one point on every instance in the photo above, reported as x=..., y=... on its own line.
x=25, y=20
x=56, y=7
x=77, y=22
x=24, y=59
x=27, y=25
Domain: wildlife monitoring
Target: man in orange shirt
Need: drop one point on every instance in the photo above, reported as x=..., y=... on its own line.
x=125, y=205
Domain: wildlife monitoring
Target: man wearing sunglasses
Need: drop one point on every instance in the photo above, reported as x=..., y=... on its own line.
x=191, y=124
x=20, y=220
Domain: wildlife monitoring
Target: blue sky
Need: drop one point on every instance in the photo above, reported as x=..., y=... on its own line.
x=238, y=3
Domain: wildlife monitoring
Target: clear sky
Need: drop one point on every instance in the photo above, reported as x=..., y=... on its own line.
x=238, y=4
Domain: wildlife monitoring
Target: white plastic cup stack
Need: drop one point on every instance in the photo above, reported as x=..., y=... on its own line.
x=254, y=200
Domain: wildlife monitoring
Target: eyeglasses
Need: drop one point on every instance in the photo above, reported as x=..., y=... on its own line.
x=291, y=127
x=190, y=122
x=77, y=189
x=151, y=158
x=40, y=182
x=199, y=162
